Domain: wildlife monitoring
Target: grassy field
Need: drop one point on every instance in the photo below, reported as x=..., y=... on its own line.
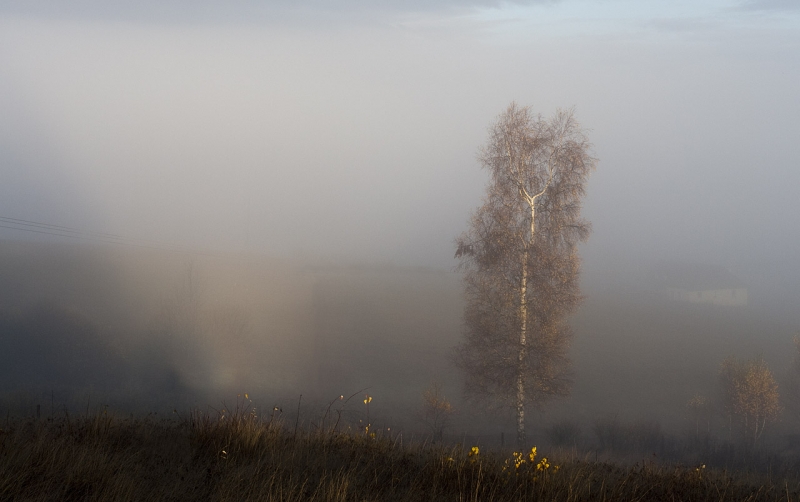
x=236, y=455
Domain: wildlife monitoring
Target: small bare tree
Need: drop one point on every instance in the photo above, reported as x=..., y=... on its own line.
x=520, y=260
x=749, y=393
x=791, y=389
x=436, y=410
x=698, y=405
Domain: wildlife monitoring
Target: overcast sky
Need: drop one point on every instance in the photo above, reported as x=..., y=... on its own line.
x=349, y=129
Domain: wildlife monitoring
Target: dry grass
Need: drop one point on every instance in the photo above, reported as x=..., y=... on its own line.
x=236, y=455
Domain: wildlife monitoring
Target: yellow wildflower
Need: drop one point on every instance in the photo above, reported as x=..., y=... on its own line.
x=474, y=451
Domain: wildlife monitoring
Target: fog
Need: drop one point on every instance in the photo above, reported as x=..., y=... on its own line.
x=284, y=186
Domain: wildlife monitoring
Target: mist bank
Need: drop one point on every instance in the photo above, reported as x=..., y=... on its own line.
x=146, y=330
x=151, y=329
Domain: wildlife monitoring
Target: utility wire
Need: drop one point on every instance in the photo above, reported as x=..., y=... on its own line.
x=76, y=235
x=38, y=224
x=69, y=230
x=39, y=227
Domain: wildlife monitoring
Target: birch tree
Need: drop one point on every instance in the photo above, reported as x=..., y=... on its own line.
x=520, y=261
x=750, y=393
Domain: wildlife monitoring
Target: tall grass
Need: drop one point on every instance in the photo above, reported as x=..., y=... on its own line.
x=235, y=454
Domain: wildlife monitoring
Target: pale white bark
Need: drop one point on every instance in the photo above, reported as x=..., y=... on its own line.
x=523, y=288
x=523, y=332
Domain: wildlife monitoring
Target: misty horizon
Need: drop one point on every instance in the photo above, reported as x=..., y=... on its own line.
x=261, y=134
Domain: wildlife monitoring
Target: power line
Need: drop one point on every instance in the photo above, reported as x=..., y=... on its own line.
x=29, y=223
x=43, y=228
x=59, y=231
x=76, y=235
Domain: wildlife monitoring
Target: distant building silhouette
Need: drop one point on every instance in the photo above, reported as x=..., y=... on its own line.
x=698, y=283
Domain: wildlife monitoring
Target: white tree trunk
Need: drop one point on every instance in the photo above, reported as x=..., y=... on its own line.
x=523, y=334
x=523, y=331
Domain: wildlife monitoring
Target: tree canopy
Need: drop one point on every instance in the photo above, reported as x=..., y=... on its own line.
x=520, y=260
